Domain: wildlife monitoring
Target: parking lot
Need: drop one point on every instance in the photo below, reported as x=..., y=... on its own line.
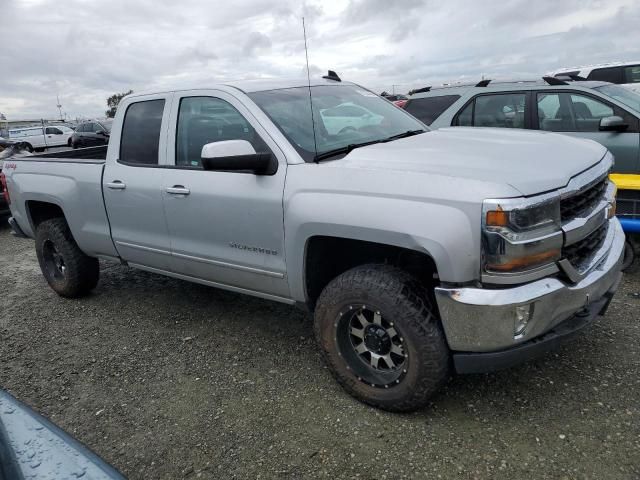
x=166, y=379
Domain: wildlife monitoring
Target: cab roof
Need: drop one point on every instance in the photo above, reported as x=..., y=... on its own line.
x=251, y=85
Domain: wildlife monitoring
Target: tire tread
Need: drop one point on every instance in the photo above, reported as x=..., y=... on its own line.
x=411, y=300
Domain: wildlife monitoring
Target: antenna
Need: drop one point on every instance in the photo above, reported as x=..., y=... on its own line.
x=313, y=123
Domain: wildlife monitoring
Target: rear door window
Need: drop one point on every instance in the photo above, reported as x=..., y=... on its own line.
x=503, y=110
x=140, y=140
x=429, y=109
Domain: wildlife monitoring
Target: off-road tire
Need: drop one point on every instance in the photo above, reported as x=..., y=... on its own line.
x=405, y=300
x=81, y=271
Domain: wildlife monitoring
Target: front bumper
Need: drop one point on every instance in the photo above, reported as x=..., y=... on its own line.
x=467, y=362
x=484, y=320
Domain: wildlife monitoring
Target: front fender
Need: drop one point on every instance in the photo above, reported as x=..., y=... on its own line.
x=444, y=232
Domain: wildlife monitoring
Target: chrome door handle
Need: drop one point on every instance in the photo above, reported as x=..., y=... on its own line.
x=116, y=185
x=178, y=190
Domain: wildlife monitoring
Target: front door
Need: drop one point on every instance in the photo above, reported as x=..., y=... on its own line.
x=225, y=227
x=579, y=115
x=132, y=185
x=54, y=137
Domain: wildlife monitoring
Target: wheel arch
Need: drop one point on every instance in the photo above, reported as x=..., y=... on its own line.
x=326, y=257
x=38, y=211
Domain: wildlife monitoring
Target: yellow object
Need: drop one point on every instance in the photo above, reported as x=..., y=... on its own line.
x=497, y=218
x=625, y=181
x=526, y=261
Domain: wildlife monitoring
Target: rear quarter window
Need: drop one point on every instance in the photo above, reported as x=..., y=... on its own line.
x=430, y=108
x=610, y=74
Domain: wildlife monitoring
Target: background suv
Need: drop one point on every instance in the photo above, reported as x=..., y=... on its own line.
x=91, y=133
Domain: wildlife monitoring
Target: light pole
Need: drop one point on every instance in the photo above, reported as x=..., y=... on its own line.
x=59, y=106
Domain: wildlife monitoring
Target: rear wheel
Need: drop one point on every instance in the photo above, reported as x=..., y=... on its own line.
x=67, y=269
x=28, y=147
x=381, y=337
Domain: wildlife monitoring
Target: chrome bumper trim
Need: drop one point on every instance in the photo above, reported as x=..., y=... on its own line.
x=483, y=320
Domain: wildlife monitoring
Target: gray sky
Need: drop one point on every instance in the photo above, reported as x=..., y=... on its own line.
x=87, y=50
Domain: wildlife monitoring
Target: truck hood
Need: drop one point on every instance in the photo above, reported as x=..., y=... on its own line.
x=530, y=162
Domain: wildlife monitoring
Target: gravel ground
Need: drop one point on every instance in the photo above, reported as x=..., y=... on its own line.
x=166, y=379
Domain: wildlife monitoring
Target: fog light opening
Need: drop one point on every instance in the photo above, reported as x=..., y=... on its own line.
x=522, y=315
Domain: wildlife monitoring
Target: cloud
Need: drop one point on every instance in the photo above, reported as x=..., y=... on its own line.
x=404, y=28
x=256, y=43
x=85, y=54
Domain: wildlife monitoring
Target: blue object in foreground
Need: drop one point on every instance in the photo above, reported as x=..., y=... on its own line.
x=32, y=447
x=630, y=225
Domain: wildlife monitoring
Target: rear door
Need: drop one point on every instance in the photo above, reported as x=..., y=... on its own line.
x=578, y=114
x=132, y=183
x=225, y=227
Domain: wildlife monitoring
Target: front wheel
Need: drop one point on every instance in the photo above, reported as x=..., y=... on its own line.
x=629, y=263
x=67, y=269
x=381, y=337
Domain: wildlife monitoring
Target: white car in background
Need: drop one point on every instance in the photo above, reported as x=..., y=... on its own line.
x=622, y=73
x=348, y=117
x=42, y=137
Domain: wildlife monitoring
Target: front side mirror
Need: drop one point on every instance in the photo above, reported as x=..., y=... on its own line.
x=613, y=124
x=237, y=155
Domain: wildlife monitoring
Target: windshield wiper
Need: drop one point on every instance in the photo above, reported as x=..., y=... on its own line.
x=345, y=150
x=408, y=133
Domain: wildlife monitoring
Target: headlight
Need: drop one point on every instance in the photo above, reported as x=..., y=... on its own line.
x=521, y=220
x=519, y=237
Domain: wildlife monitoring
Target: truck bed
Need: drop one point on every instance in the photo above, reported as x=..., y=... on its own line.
x=82, y=155
x=70, y=181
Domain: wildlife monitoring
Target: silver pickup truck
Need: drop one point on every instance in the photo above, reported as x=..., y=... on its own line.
x=420, y=252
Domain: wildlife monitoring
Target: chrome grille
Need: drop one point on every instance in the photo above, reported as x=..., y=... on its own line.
x=582, y=202
x=582, y=251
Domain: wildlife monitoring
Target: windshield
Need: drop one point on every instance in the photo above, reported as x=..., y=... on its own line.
x=624, y=95
x=344, y=115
